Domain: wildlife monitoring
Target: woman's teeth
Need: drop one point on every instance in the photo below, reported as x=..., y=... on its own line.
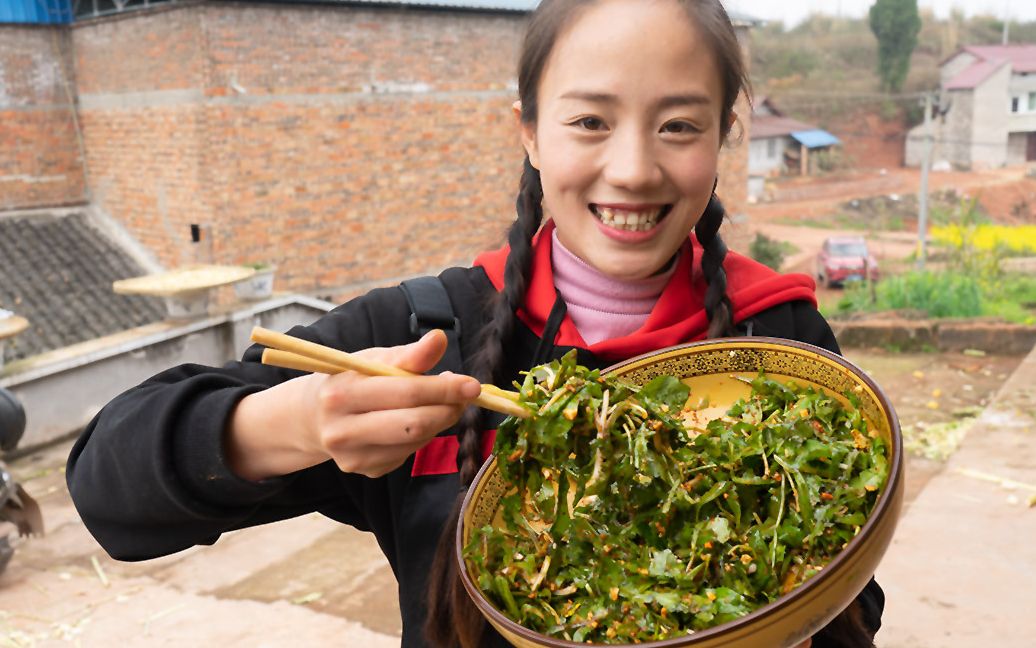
x=630, y=221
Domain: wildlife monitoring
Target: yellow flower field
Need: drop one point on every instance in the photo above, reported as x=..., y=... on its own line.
x=1019, y=239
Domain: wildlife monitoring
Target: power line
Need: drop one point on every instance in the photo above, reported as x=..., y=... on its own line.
x=852, y=95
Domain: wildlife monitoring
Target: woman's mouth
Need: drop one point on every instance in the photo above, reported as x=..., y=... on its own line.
x=630, y=220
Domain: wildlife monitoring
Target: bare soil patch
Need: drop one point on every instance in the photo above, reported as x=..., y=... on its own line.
x=931, y=388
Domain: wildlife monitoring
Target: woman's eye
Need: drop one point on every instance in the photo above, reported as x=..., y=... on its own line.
x=589, y=123
x=679, y=128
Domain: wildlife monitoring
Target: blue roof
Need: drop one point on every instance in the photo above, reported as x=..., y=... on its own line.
x=36, y=12
x=815, y=138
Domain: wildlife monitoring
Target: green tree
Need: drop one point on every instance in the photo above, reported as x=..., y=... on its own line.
x=895, y=24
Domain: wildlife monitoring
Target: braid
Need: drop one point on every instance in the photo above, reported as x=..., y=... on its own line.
x=488, y=360
x=452, y=617
x=847, y=630
x=717, y=305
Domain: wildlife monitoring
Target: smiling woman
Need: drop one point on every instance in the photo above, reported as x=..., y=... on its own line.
x=627, y=135
x=623, y=107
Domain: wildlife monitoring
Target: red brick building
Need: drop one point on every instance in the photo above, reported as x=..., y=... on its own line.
x=40, y=161
x=351, y=143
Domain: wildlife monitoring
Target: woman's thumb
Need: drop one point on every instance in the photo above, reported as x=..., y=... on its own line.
x=422, y=355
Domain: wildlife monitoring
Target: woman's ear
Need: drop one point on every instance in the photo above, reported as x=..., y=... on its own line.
x=732, y=121
x=527, y=132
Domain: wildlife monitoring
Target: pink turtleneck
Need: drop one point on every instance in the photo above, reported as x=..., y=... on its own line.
x=601, y=307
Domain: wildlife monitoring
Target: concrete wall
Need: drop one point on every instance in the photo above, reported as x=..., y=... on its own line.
x=40, y=165
x=990, y=111
x=62, y=390
x=760, y=162
x=980, y=129
x=955, y=65
x=346, y=145
x=958, y=129
x=952, y=133
x=1025, y=120
x=1017, y=148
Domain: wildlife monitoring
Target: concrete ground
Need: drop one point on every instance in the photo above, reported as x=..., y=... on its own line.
x=304, y=582
x=955, y=574
x=960, y=568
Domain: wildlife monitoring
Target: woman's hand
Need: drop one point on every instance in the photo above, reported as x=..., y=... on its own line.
x=367, y=425
x=805, y=644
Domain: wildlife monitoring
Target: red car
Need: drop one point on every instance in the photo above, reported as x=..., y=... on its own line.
x=845, y=258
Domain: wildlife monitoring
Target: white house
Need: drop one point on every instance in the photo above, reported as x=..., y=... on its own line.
x=780, y=145
x=988, y=99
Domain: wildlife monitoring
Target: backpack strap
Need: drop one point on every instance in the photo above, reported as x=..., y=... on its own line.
x=430, y=308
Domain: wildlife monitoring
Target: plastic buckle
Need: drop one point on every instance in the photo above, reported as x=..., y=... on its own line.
x=415, y=325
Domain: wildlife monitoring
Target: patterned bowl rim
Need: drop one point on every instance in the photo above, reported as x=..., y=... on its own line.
x=885, y=500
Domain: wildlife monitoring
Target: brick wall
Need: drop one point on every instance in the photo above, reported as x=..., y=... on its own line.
x=733, y=161
x=141, y=80
x=349, y=146
x=39, y=153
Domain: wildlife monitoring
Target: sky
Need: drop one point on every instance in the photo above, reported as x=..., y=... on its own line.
x=793, y=11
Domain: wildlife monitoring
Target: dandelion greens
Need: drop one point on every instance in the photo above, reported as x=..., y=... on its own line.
x=631, y=518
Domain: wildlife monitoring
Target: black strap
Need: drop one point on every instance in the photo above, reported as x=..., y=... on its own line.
x=545, y=348
x=430, y=309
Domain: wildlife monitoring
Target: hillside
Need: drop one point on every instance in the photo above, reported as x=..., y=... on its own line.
x=824, y=71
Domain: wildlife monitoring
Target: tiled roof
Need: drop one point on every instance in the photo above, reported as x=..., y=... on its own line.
x=973, y=75
x=57, y=272
x=764, y=126
x=1022, y=59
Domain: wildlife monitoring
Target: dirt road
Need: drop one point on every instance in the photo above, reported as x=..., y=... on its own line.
x=795, y=198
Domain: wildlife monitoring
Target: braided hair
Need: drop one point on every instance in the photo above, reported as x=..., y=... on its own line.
x=714, y=251
x=452, y=617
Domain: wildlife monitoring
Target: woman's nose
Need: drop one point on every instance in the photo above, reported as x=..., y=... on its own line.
x=630, y=162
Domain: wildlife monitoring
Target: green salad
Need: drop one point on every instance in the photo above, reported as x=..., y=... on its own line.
x=632, y=518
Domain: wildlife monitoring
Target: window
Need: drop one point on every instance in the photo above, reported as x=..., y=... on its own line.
x=1015, y=104
x=849, y=249
x=1032, y=102
x=94, y=8
x=771, y=148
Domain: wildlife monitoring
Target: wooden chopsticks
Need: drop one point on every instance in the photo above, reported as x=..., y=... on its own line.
x=294, y=353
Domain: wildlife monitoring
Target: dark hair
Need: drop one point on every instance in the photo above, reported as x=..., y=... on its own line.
x=452, y=617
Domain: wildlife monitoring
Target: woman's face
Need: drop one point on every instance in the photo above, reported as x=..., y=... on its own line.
x=628, y=134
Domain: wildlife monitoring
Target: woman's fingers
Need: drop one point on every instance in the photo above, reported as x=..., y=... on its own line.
x=416, y=357
x=352, y=394
x=374, y=443
x=369, y=425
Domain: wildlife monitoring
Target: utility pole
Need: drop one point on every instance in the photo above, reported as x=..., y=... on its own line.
x=922, y=202
x=1007, y=25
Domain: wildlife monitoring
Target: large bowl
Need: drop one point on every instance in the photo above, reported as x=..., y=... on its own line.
x=708, y=368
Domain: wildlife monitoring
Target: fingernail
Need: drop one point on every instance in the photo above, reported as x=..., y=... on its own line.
x=470, y=389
